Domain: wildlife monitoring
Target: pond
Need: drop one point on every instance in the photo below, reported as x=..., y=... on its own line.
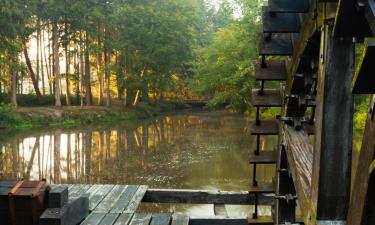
x=190, y=150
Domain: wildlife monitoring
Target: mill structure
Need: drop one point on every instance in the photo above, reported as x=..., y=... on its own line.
x=309, y=69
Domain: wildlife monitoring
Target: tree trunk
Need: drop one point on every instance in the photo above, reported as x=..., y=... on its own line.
x=88, y=94
x=47, y=64
x=13, y=88
x=31, y=71
x=137, y=96
x=41, y=61
x=67, y=67
x=56, y=64
x=81, y=69
x=107, y=59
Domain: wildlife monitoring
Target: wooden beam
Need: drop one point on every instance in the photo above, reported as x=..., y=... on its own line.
x=205, y=197
x=364, y=80
x=299, y=150
x=361, y=210
x=289, y=6
x=349, y=15
x=334, y=129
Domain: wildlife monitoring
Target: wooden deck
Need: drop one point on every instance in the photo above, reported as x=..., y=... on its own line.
x=118, y=204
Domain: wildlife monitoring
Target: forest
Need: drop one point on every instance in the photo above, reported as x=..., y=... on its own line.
x=103, y=52
x=123, y=52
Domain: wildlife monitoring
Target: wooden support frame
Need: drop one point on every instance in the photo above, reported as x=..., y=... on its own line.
x=362, y=204
x=334, y=127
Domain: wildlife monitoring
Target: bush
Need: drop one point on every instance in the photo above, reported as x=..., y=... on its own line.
x=7, y=116
x=32, y=100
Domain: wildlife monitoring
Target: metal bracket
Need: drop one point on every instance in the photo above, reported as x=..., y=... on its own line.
x=294, y=121
x=288, y=197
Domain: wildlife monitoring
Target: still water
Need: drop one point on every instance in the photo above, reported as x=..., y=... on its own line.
x=191, y=150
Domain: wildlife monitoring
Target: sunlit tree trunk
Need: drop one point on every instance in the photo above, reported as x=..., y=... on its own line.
x=56, y=64
x=47, y=61
x=82, y=66
x=67, y=67
x=88, y=94
x=13, y=88
x=99, y=68
x=41, y=59
x=107, y=59
x=31, y=72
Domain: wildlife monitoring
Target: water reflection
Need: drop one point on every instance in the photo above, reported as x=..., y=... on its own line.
x=194, y=150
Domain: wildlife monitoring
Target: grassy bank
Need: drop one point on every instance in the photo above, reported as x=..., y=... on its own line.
x=24, y=118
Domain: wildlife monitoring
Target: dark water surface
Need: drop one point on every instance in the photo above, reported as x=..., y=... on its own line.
x=192, y=150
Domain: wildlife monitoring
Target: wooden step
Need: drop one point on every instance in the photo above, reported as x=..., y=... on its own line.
x=280, y=22
x=263, y=188
x=269, y=98
x=272, y=70
x=347, y=16
x=289, y=6
x=262, y=220
x=264, y=157
x=266, y=127
x=364, y=79
x=278, y=45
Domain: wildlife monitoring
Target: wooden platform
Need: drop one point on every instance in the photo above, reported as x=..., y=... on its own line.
x=264, y=157
x=118, y=204
x=280, y=22
x=288, y=6
x=278, y=45
x=275, y=70
x=267, y=127
x=269, y=98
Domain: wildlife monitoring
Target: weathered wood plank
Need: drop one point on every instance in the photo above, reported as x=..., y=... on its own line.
x=137, y=199
x=334, y=129
x=220, y=210
x=217, y=221
x=300, y=157
x=280, y=22
x=125, y=199
x=204, y=197
x=271, y=70
x=266, y=127
x=110, y=199
x=361, y=209
x=124, y=219
x=291, y=6
x=178, y=219
x=278, y=45
x=141, y=219
x=269, y=98
x=81, y=191
x=109, y=219
x=265, y=157
x=93, y=219
x=99, y=195
x=160, y=219
x=262, y=188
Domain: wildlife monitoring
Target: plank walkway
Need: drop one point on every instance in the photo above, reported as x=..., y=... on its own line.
x=118, y=204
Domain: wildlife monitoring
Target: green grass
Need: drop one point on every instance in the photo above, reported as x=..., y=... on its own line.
x=10, y=118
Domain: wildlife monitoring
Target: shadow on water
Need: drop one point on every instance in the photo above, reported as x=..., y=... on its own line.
x=191, y=151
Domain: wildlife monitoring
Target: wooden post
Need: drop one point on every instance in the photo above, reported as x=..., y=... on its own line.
x=362, y=205
x=285, y=211
x=334, y=125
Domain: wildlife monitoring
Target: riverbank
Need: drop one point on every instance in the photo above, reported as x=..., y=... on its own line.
x=24, y=118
